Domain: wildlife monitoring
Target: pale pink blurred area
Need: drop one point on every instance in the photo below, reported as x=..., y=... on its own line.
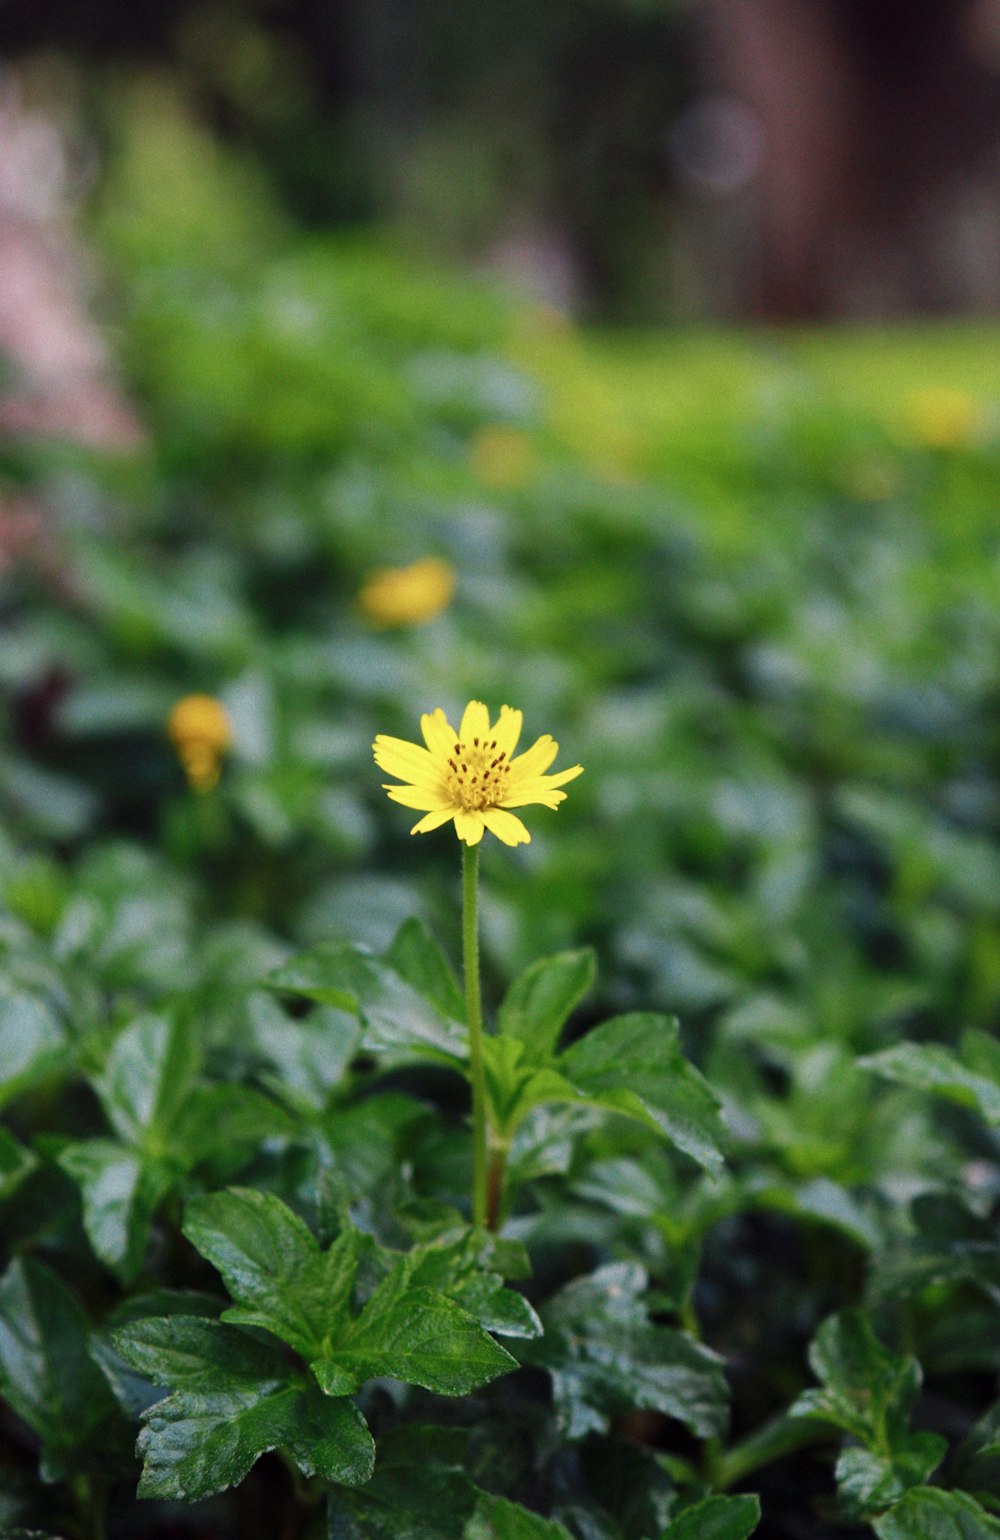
x=61, y=379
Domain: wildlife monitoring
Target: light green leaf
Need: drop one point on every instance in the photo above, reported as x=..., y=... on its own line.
x=867, y=1391
x=633, y=1064
x=146, y=1079
x=538, y=1004
x=416, y=957
x=927, y=1513
x=931, y=1067
x=495, y=1518
x=399, y=1023
x=869, y=1482
x=33, y=1043
x=716, y=1518
x=120, y=1192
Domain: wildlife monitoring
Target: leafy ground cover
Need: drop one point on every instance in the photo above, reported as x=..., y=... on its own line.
x=733, y=1273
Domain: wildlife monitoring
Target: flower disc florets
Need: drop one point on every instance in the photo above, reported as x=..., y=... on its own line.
x=471, y=775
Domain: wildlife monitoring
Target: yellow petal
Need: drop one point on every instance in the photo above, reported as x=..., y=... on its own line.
x=439, y=735
x=469, y=826
x=433, y=820
x=507, y=730
x=506, y=827
x=532, y=793
x=407, y=760
x=425, y=798
x=475, y=723
x=537, y=759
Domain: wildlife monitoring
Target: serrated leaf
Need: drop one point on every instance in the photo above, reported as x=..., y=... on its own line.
x=868, y=1483
x=120, y=1191
x=494, y=1518
x=416, y=957
x=146, y=1079
x=273, y=1266
x=33, y=1043
x=716, y=1518
x=197, y=1353
x=927, y=1513
x=457, y=1269
x=539, y=1003
x=421, y=1337
x=399, y=1023
x=197, y=1443
x=46, y=1371
x=867, y=1391
x=606, y=1357
x=633, y=1064
x=931, y=1067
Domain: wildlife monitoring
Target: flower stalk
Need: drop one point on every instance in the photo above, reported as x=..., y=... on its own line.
x=474, y=1021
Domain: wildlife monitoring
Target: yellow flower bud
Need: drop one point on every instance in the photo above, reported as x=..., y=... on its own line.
x=408, y=596
x=200, y=730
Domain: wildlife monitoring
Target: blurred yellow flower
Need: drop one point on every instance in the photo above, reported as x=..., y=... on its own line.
x=408, y=596
x=471, y=775
x=944, y=418
x=503, y=457
x=200, y=730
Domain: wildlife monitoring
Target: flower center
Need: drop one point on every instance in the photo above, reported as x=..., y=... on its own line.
x=477, y=774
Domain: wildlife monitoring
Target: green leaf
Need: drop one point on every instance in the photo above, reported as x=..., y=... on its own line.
x=146, y=1079
x=416, y=1335
x=120, y=1192
x=273, y=1266
x=216, y=1118
x=606, y=1358
x=399, y=1023
x=46, y=1371
x=233, y=1399
x=868, y=1482
x=927, y=1513
x=459, y=1268
x=34, y=1043
x=416, y=957
x=633, y=1064
x=495, y=1518
x=867, y=1391
x=538, y=1004
x=16, y=1162
x=419, y=1491
x=930, y=1067
x=716, y=1518
x=197, y=1443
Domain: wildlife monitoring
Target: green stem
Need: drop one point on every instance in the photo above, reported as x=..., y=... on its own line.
x=474, y=1019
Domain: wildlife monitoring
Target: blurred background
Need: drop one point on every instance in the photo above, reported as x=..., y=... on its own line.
x=626, y=159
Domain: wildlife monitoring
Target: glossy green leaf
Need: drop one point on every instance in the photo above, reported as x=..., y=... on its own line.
x=867, y=1391
x=398, y=1022
x=494, y=1518
x=716, y=1518
x=33, y=1043
x=927, y=1513
x=120, y=1192
x=420, y=1490
x=416, y=957
x=146, y=1079
x=932, y=1067
x=539, y=1003
x=47, y=1373
x=633, y=1064
x=416, y=1335
x=273, y=1266
x=868, y=1482
x=606, y=1358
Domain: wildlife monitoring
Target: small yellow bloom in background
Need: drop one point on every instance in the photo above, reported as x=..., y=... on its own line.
x=200, y=731
x=944, y=418
x=503, y=457
x=471, y=775
x=408, y=596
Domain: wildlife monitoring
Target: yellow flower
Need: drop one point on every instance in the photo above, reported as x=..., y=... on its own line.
x=472, y=775
x=408, y=596
x=199, y=729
